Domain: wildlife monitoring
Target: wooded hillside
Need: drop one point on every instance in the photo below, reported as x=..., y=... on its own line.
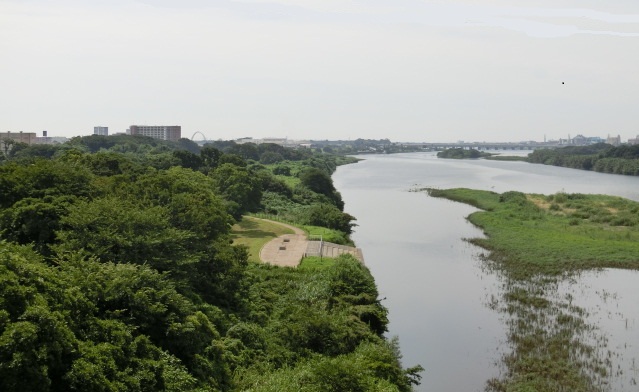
x=117, y=273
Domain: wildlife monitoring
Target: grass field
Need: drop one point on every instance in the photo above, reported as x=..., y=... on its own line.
x=254, y=233
x=316, y=263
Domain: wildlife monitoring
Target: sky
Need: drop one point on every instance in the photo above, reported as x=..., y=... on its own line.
x=406, y=70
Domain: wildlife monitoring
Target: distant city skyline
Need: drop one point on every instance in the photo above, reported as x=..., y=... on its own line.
x=199, y=137
x=407, y=70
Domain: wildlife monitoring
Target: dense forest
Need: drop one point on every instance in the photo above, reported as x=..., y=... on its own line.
x=600, y=157
x=117, y=273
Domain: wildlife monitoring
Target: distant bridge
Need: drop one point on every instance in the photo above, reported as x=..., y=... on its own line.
x=486, y=146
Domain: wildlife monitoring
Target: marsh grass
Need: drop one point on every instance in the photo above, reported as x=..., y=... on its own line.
x=535, y=241
x=533, y=234
x=509, y=158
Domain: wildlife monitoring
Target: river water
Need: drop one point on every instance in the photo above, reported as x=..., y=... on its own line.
x=434, y=283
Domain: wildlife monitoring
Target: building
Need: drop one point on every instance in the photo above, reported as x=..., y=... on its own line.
x=580, y=140
x=284, y=142
x=614, y=140
x=165, y=132
x=634, y=141
x=7, y=139
x=19, y=137
x=102, y=131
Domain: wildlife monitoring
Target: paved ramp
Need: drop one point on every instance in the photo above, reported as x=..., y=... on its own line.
x=286, y=250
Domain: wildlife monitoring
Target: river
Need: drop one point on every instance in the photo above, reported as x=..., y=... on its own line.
x=435, y=284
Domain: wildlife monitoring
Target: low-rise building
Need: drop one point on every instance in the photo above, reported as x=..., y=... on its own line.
x=7, y=139
x=614, y=140
x=19, y=137
x=165, y=132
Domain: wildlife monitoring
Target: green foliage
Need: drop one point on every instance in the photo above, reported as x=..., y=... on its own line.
x=210, y=157
x=326, y=215
x=321, y=329
x=190, y=198
x=481, y=199
x=329, y=235
x=34, y=151
x=188, y=159
x=34, y=220
x=462, y=153
x=316, y=263
x=529, y=236
x=510, y=158
x=317, y=181
x=117, y=272
x=269, y=157
x=122, y=231
x=601, y=157
x=282, y=170
x=43, y=178
x=89, y=326
x=239, y=187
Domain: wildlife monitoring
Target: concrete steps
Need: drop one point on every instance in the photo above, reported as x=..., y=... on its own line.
x=329, y=249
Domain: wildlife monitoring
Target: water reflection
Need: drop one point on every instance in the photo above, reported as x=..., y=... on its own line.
x=437, y=288
x=610, y=298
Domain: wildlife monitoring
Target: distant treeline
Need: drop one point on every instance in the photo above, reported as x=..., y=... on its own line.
x=599, y=157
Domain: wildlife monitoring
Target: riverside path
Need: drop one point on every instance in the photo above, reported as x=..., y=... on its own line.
x=288, y=250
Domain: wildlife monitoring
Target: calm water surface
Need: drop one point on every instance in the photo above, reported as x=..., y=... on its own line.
x=435, y=285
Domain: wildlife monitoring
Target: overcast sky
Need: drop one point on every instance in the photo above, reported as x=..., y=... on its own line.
x=407, y=70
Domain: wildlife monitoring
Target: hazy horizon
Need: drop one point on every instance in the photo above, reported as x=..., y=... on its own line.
x=406, y=70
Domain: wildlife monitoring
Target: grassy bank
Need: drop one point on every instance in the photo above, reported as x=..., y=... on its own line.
x=534, y=241
x=532, y=234
x=511, y=158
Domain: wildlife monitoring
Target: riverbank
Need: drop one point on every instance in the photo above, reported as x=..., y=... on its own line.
x=534, y=242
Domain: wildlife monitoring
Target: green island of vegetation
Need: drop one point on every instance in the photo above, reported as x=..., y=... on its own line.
x=124, y=266
x=534, y=241
x=462, y=153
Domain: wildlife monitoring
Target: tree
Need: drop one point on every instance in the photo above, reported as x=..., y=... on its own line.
x=210, y=156
x=188, y=159
x=246, y=151
x=121, y=231
x=191, y=201
x=233, y=159
x=43, y=178
x=317, y=181
x=270, y=157
x=33, y=151
x=188, y=145
x=327, y=215
x=238, y=186
x=108, y=163
x=34, y=221
x=320, y=182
